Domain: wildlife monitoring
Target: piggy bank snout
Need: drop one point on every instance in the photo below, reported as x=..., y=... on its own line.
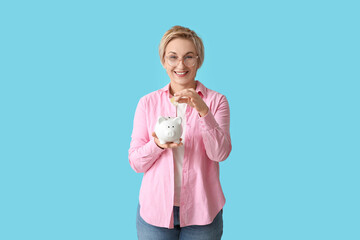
x=171, y=133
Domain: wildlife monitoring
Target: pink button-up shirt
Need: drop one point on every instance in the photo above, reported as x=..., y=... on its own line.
x=207, y=142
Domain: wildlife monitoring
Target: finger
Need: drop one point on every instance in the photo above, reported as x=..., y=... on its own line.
x=185, y=95
x=185, y=92
x=179, y=92
x=176, y=98
x=154, y=135
x=175, y=145
x=192, y=90
x=183, y=100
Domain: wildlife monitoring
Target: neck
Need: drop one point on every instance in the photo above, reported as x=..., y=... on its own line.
x=174, y=87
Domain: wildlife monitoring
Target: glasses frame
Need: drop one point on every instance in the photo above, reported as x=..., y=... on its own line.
x=180, y=59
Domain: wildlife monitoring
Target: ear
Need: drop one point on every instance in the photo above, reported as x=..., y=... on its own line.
x=161, y=119
x=178, y=120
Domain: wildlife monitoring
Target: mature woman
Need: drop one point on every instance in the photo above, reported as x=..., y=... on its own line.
x=181, y=196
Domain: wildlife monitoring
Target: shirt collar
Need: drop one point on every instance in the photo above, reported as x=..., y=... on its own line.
x=200, y=89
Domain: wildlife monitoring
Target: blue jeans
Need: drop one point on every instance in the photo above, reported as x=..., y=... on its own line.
x=213, y=231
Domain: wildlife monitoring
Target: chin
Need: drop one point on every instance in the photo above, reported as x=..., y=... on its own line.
x=183, y=81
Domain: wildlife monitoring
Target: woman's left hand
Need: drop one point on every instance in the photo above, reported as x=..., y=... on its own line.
x=193, y=99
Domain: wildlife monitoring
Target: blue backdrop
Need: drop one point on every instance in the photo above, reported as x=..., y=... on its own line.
x=72, y=73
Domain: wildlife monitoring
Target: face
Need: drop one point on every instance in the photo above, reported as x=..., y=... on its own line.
x=181, y=74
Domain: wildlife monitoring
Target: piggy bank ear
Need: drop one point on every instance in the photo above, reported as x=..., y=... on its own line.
x=161, y=119
x=178, y=120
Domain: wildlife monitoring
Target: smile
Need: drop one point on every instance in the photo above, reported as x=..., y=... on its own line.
x=181, y=74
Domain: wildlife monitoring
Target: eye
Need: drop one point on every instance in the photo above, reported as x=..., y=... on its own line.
x=189, y=57
x=172, y=57
x=173, y=126
x=168, y=126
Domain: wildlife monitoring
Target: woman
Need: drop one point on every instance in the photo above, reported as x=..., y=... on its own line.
x=181, y=196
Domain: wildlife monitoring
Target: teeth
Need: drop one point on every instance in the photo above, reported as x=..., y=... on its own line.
x=181, y=73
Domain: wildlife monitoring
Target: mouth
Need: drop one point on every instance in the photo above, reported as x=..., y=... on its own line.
x=181, y=73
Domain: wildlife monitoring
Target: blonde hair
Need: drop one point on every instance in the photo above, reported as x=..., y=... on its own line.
x=185, y=33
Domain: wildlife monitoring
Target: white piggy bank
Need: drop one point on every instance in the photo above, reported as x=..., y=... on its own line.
x=168, y=129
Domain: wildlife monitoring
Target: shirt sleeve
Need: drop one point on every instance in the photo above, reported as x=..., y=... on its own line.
x=215, y=129
x=143, y=151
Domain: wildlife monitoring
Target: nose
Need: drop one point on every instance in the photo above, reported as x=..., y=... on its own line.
x=170, y=134
x=181, y=63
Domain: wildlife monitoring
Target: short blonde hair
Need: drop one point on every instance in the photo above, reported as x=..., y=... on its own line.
x=185, y=33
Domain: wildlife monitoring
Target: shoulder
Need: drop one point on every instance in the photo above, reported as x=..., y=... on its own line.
x=152, y=97
x=213, y=96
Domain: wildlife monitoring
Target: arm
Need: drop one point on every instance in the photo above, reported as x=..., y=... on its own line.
x=143, y=151
x=215, y=129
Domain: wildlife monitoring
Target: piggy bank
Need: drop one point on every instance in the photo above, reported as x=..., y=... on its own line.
x=168, y=129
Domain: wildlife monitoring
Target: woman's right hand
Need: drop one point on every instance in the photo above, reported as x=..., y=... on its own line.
x=166, y=145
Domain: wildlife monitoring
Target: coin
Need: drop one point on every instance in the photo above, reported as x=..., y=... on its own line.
x=172, y=100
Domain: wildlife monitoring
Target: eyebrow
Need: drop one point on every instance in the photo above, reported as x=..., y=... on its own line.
x=185, y=53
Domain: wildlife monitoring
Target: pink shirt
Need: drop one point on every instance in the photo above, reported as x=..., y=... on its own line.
x=207, y=143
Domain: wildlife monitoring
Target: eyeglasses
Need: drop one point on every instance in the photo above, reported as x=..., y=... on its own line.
x=188, y=61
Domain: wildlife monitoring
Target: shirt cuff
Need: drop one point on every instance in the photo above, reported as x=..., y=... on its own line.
x=207, y=122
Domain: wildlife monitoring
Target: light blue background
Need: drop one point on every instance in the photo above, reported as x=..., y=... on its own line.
x=72, y=73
